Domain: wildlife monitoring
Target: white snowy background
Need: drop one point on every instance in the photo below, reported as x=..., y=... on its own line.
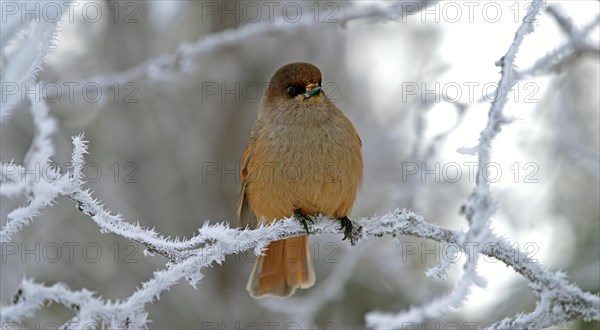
x=165, y=92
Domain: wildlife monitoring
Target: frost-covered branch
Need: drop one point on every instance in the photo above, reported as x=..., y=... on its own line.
x=38, y=179
x=558, y=299
x=227, y=241
x=26, y=42
x=479, y=205
x=575, y=44
x=186, y=57
x=31, y=297
x=213, y=243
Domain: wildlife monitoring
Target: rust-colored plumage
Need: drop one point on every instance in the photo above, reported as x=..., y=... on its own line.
x=303, y=156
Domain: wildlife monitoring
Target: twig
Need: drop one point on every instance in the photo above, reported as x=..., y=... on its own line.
x=186, y=57
x=479, y=205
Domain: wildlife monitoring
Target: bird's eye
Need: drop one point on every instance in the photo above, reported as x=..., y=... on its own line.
x=291, y=91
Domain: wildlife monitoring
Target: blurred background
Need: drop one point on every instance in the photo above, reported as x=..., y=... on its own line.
x=165, y=151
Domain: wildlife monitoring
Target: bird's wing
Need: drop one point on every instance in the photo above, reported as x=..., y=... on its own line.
x=246, y=217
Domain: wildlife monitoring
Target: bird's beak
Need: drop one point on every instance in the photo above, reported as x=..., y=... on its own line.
x=312, y=90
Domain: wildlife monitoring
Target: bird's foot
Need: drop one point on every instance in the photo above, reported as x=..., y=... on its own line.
x=351, y=232
x=304, y=220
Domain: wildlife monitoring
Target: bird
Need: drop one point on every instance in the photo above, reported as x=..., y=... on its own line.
x=303, y=159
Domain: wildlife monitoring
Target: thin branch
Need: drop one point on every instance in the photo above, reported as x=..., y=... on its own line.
x=228, y=241
x=186, y=57
x=565, y=22
x=557, y=57
x=38, y=179
x=34, y=37
x=558, y=300
x=219, y=240
x=479, y=205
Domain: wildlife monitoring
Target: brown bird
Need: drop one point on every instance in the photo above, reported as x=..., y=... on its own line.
x=303, y=159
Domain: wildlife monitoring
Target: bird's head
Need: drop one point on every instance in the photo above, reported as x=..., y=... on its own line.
x=296, y=82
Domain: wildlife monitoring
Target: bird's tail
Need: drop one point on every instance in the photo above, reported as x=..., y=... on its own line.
x=285, y=266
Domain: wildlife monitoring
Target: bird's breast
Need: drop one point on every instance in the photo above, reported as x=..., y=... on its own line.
x=315, y=167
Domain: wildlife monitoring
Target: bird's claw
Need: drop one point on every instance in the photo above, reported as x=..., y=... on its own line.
x=346, y=227
x=304, y=220
x=351, y=232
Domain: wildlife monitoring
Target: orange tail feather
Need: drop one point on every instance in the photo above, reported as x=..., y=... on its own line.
x=285, y=266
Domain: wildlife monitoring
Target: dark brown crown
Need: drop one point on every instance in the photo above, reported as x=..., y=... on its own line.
x=297, y=75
